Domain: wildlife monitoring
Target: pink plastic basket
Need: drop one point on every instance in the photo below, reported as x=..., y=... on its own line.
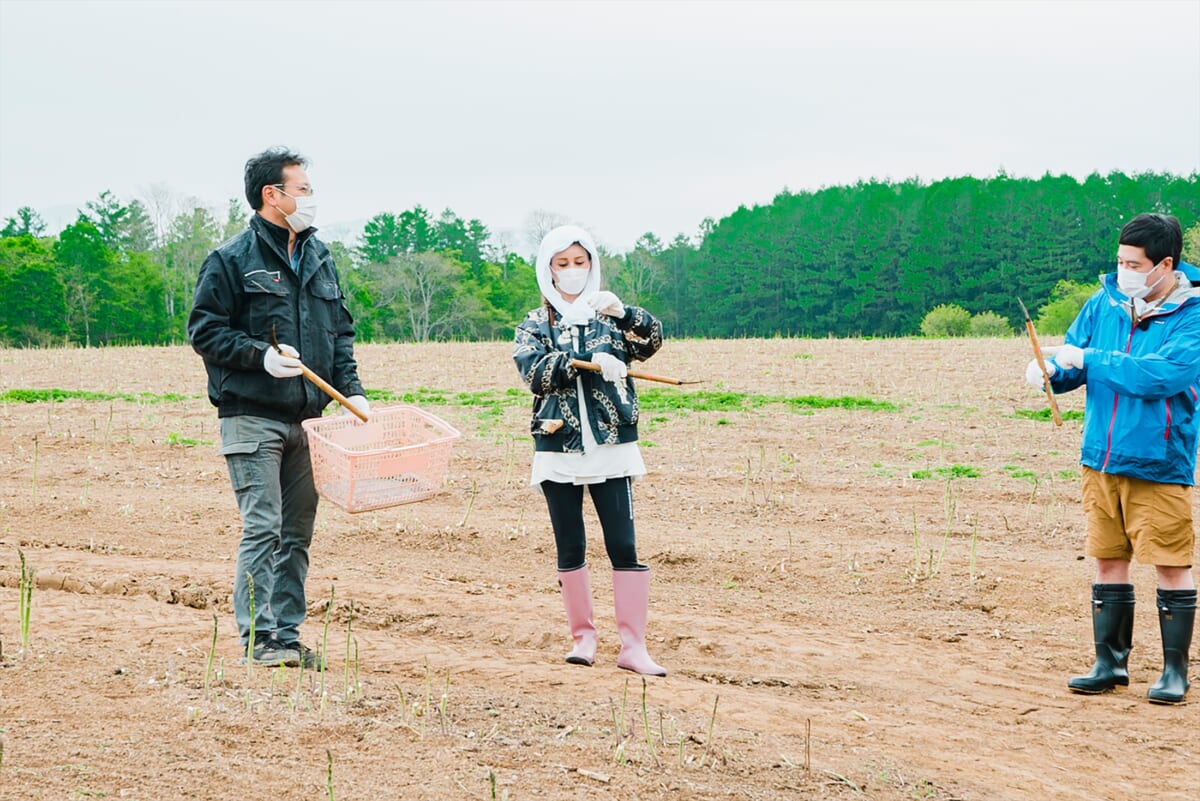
x=400, y=456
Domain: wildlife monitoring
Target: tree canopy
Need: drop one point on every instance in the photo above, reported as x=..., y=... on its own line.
x=873, y=258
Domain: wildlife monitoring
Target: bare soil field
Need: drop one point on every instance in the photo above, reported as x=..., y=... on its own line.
x=851, y=602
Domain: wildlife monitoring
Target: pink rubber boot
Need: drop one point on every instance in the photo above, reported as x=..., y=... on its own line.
x=631, y=601
x=577, y=599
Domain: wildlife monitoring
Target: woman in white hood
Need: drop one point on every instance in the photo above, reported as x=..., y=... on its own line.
x=585, y=433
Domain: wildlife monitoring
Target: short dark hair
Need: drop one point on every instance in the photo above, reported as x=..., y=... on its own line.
x=1160, y=235
x=266, y=169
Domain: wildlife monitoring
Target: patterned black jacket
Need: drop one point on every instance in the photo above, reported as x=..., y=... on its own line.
x=543, y=350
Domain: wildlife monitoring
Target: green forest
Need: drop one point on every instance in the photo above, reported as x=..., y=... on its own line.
x=870, y=259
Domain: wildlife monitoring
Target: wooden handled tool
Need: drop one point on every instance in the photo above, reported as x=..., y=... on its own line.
x=321, y=383
x=1037, y=354
x=580, y=364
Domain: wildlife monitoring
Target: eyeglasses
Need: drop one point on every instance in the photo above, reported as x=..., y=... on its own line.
x=304, y=189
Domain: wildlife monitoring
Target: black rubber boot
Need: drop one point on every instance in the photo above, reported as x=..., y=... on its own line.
x=1112, y=629
x=1176, y=618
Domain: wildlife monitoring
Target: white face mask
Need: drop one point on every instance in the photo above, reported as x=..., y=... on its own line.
x=572, y=280
x=1133, y=284
x=306, y=212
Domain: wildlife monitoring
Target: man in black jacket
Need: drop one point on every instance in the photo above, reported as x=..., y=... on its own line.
x=274, y=279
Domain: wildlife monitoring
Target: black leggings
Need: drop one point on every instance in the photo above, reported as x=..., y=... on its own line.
x=613, y=500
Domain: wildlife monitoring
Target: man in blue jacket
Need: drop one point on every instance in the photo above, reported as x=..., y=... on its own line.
x=1136, y=344
x=274, y=280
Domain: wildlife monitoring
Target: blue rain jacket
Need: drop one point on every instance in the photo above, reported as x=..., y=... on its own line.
x=1140, y=418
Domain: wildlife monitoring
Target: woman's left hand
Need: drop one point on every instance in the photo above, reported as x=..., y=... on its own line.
x=607, y=303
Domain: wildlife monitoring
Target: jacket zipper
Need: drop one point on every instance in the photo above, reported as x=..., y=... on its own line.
x=1113, y=419
x=1195, y=398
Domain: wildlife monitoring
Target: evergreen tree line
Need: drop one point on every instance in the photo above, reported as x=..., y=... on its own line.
x=873, y=258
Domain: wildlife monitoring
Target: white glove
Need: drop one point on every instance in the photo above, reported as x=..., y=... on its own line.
x=282, y=365
x=607, y=303
x=1065, y=356
x=359, y=402
x=1033, y=374
x=611, y=368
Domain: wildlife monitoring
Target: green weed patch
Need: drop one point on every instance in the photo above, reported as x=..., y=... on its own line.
x=1044, y=414
x=851, y=402
x=494, y=401
x=948, y=473
x=424, y=396
x=1020, y=472
x=653, y=399
x=57, y=395
x=188, y=442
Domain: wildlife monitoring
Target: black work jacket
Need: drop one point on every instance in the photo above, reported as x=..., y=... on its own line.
x=543, y=350
x=245, y=287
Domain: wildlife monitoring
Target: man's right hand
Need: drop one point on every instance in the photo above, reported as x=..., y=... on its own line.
x=285, y=364
x=612, y=369
x=1033, y=373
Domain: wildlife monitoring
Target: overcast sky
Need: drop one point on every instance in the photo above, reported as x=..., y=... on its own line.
x=624, y=117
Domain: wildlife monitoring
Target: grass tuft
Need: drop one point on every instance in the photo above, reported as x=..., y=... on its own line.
x=1045, y=414
x=948, y=473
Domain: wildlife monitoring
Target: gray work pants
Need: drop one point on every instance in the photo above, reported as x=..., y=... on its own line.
x=271, y=474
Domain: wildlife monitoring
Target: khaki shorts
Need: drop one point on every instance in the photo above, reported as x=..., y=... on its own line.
x=1131, y=517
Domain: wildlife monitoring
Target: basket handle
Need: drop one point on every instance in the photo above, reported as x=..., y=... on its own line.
x=331, y=392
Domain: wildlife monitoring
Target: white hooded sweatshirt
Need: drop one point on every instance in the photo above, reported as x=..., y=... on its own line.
x=556, y=241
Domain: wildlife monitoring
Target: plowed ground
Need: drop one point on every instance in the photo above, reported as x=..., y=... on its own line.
x=852, y=603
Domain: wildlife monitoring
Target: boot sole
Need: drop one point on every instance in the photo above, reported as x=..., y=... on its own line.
x=1167, y=701
x=1098, y=690
x=640, y=673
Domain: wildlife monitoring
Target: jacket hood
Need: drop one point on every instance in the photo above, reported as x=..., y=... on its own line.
x=1187, y=289
x=556, y=241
